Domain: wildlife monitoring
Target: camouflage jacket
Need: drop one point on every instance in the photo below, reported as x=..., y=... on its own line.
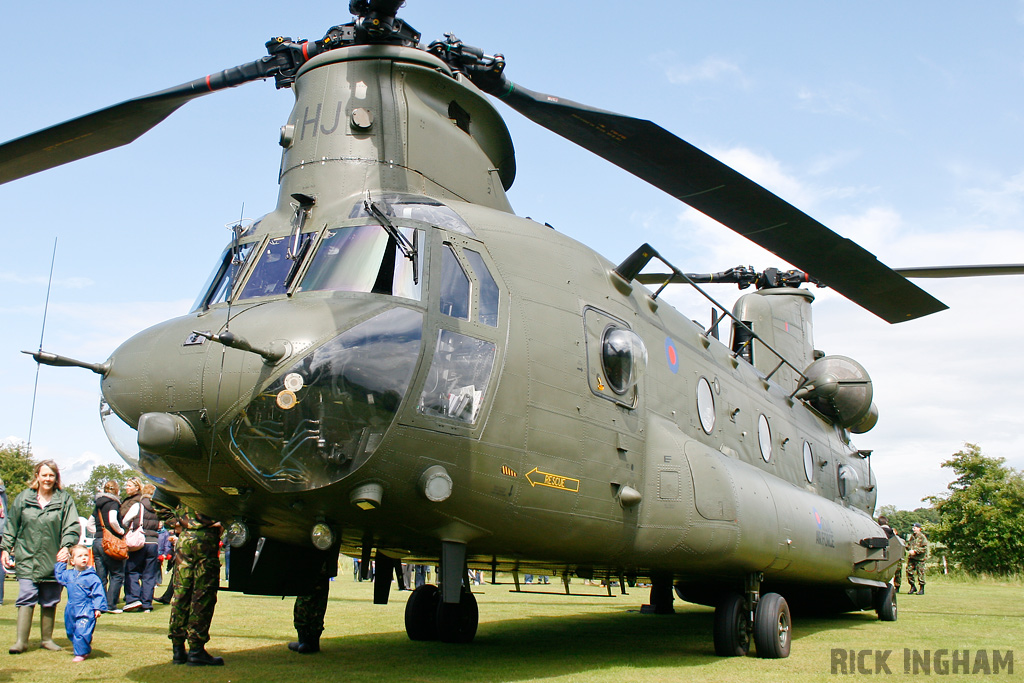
x=918, y=546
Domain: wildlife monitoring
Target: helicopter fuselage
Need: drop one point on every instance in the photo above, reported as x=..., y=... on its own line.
x=485, y=381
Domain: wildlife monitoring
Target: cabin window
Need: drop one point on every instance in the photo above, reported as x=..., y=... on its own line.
x=458, y=377
x=274, y=270
x=808, y=462
x=488, y=305
x=705, y=405
x=364, y=259
x=764, y=437
x=455, y=289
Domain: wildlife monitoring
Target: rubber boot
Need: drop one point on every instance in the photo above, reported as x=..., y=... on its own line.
x=307, y=644
x=24, y=627
x=180, y=653
x=46, y=618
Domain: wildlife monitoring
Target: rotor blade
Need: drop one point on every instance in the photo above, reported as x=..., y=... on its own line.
x=111, y=127
x=962, y=271
x=653, y=154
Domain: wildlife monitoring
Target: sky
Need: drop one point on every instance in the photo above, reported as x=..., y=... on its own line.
x=898, y=125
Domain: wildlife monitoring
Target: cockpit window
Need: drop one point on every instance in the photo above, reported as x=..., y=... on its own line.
x=417, y=208
x=364, y=259
x=274, y=270
x=323, y=417
x=488, y=288
x=458, y=377
x=454, y=286
x=224, y=276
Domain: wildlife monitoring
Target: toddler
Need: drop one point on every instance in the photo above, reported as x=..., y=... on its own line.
x=86, y=600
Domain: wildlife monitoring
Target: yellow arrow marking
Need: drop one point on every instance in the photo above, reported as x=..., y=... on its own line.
x=554, y=481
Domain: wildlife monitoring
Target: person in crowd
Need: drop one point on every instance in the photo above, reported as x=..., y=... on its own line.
x=110, y=570
x=196, y=580
x=309, y=610
x=86, y=600
x=167, y=552
x=916, y=557
x=143, y=568
x=41, y=525
x=3, y=521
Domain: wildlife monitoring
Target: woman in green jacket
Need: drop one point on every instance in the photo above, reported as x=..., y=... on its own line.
x=42, y=524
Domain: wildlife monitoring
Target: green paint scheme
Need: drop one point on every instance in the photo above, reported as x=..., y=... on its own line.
x=473, y=402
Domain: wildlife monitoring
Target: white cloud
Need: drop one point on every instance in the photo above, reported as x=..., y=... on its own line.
x=709, y=69
x=1003, y=200
x=846, y=99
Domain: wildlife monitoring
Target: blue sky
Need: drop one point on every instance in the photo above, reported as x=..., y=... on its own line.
x=899, y=125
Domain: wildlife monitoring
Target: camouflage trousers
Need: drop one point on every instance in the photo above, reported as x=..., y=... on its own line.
x=309, y=611
x=915, y=571
x=195, y=584
x=897, y=578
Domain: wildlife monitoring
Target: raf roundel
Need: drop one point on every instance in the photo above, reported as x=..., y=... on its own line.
x=671, y=356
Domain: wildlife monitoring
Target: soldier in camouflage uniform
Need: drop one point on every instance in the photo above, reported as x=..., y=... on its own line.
x=308, y=613
x=918, y=553
x=196, y=580
x=883, y=522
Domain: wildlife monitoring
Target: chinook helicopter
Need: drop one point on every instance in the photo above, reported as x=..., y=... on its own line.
x=377, y=367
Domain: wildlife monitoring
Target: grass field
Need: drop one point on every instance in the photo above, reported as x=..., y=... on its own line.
x=525, y=637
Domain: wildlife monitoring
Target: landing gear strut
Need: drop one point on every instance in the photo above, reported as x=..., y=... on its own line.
x=449, y=613
x=765, y=618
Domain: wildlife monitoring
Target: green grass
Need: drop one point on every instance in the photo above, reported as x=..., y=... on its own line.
x=522, y=637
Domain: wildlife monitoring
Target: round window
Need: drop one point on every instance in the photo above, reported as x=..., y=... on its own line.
x=808, y=462
x=764, y=438
x=705, y=405
x=624, y=358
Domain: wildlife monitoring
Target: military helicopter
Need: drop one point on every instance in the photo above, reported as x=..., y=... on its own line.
x=376, y=367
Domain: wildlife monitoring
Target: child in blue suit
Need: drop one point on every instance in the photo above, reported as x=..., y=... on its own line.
x=86, y=600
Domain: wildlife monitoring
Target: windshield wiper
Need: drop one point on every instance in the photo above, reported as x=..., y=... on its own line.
x=407, y=248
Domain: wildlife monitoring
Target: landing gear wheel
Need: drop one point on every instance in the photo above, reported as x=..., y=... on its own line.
x=456, y=623
x=772, y=625
x=421, y=613
x=731, y=639
x=885, y=603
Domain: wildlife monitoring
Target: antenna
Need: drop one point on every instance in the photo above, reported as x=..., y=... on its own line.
x=233, y=270
x=42, y=332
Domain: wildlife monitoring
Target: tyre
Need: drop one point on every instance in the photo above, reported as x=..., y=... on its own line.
x=456, y=623
x=731, y=639
x=421, y=613
x=772, y=625
x=885, y=603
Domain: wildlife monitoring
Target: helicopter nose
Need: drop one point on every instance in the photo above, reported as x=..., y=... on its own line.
x=329, y=411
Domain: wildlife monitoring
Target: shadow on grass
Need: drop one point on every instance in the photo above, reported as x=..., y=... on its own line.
x=512, y=650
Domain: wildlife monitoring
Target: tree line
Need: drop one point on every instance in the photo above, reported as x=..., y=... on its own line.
x=17, y=465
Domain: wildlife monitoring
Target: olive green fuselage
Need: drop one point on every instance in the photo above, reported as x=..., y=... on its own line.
x=489, y=365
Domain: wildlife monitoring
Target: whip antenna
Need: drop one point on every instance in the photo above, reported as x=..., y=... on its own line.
x=42, y=332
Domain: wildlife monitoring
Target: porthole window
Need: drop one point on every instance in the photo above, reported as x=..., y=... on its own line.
x=764, y=438
x=808, y=462
x=705, y=405
x=624, y=358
